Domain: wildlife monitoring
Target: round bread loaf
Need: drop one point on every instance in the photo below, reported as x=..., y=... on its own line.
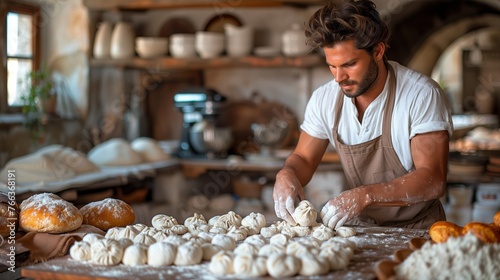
x=9, y=215
x=482, y=231
x=440, y=231
x=108, y=213
x=47, y=212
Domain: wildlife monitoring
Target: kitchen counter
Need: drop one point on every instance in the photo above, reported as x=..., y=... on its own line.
x=373, y=244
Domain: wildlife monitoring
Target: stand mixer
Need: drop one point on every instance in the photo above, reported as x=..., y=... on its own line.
x=201, y=137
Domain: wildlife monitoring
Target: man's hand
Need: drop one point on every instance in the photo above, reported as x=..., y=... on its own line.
x=286, y=189
x=342, y=208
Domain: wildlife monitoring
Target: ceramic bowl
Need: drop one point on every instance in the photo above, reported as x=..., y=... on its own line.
x=148, y=47
x=209, y=44
x=182, y=45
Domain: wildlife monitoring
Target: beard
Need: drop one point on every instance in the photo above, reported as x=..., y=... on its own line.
x=365, y=83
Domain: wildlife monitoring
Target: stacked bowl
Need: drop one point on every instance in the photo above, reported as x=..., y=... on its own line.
x=149, y=47
x=182, y=45
x=209, y=44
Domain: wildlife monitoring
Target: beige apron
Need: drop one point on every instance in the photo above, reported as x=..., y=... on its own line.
x=376, y=161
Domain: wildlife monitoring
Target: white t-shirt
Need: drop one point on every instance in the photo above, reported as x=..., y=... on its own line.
x=420, y=107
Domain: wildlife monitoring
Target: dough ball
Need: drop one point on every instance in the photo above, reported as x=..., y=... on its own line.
x=108, y=213
x=279, y=239
x=227, y=220
x=222, y=263
x=161, y=254
x=338, y=259
x=207, y=236
x=195, y=219
x=257, y=240
x=197, y=228
x=296, y=248
x=92, y=237
x=246, y=248
x=282, y=265
x=209, y=250
x=80, y=251
x=179, y=229
x=162, y=221
x=267, y=232
x=312, y=265
x=247, y=265
x=188, y=254
x=149, y=149
x=270, y=249
x=140, y=227
x=129, y=232
x=47, y=212
x=175, y=240
x=442, y=230
x=345, y=231
x=237, y=234
x=144, y=238
x=305, y=214
x=136, y=254
x=254, y=220
x=289, y=231
x=114, y=152
x=162, y=234
x=106, y=252
x=224, y=241
x=323, y=232
x=301, y=231
x=9, y=215
x=125, y=242
x=218, y=230
x=213, y=220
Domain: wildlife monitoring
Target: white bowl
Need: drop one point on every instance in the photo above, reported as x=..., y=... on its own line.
x=209, y=44
x=182, y=45
x=148, y=47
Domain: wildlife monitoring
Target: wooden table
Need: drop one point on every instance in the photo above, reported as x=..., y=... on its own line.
x=373, y=244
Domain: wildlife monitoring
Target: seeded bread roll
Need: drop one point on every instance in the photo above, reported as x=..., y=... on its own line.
x=108, y=213
x=442, y=230
x=47, y=212
x=9, y=215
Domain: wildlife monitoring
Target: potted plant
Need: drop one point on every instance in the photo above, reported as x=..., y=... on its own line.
x=38, y=101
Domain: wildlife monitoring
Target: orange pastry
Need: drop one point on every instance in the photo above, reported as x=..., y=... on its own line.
x=442, y=230
x=483, y=231
x=496, y=219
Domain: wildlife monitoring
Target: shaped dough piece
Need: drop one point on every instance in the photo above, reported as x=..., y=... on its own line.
x=312, y=265
x=161, y=254
x=267, y=232
x=129, y=232
x=209, y=250
x=224, y=241
x=195, y=219
x=162, y=234
x=162, y=221
x=136, y=254
x=246, y=248
x=237, y=234
x=338, y=259
x=323, y=233
x=305, y=214
x=345, y=232
x=188, y=254
x=144, y=238
x=125, y=242
x=270, y=249
x=175, y=240
x=282, y=265
x=279, y=239
x=301, y=231
x=113, y=233
x=257, y=240
x=92, y=237
x=227, y=220
x=255, y=221
x=80, y=251
x=106, y=252
x=179, y=229
x=222, y=263
x=296, y=249
x=250, y=266
x=114, y=152
x=47, y=212
x=149, y=149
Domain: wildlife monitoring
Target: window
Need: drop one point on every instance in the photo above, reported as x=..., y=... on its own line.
x=19, y=48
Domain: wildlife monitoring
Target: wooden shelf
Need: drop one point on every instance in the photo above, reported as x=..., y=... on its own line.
x=99, y=5
x=170, y=63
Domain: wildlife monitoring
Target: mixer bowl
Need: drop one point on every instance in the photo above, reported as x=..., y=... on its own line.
x=269, y=134
x=207, y=138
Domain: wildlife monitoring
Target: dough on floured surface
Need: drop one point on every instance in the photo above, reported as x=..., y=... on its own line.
x=135, y=254
x=114, y=152
x=161, y=253
x=222, y=263
x=345, y=231
x=224, y=241
x=282, y=265
x=106, y=252
x=188, y=254
x=162, y=221
x=312, y=264
x=305, y=214
x=149, y=149
x=250, y=266
x=80, y=251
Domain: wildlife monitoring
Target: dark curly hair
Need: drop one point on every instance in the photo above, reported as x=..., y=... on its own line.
x=341, y=20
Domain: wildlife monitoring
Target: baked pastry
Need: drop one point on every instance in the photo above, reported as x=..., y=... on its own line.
x=440, y=231
x=47, y=212
x=108, y=213
x=483, y=231
x=9, y=215
x=496, y=219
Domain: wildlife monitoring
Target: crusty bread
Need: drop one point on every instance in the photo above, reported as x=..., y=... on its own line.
x=108, y=213
x=483, y=231
x=496, y=219
x=440, y=231
x=47, y=212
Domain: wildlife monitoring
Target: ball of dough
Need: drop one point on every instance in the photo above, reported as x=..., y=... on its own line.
x=305, y=214
x=224, y=241
x=338, y=259
x=237, y=234
x=270, y=249
x=106, y=252
x=9, y=215
x=442, y=230
x=108, y=213
x=228, y=220
x=114, y=152
x=179, y=229
x=129, y=232
x=250, y=266
x=144, y=238
x=125, y=242
x=149, y=149
x=267, y=232
x=162, y=234
x=323, y=233
x=209, y=250
x=47, y=212
x=188, y=253
x=254, y=220
x=279, y=239
x=296, y=248
x=282, y=265
x=161, y=253
x=345, y=232
x=162, y=221
x=92, y=237
x=246, y=248
x=195, y=219
x=175, y=240
x=301, y=231
x=136, y=254
x=80, y=251
x=113, y=233
x=222, y=263
x=312, y=265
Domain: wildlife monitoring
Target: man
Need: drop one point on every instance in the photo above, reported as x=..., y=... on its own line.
x=390, y=126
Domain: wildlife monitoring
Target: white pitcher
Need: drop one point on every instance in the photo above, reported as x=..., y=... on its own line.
x=293, y=41
x=239, y=39
x=122, y=41
x=102, y=42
